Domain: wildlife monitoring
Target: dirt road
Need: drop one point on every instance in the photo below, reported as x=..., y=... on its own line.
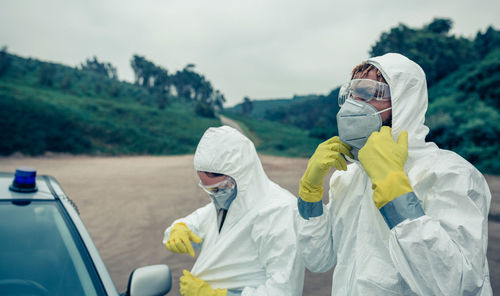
x=126, y=203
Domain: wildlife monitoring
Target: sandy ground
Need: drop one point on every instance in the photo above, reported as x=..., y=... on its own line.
x=127, y=202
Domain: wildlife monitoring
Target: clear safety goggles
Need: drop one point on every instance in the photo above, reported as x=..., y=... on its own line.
x=214, y=188
x=364, y=89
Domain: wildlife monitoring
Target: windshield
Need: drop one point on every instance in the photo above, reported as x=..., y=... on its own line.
x=40, y=254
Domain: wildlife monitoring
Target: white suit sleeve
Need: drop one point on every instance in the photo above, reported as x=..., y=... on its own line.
x=443, y=252
x=193, y=221
x=275, y=240
x=315, y=241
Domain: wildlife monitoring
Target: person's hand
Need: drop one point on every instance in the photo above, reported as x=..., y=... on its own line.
x=327, y=155
x=193, y=286
x=383, y=160
x=180, y=239
x=381, y=154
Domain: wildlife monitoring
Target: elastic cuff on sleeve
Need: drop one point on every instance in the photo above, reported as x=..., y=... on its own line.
x=310, y=209
x=401, y=208
x=310, y=193
x=395, y=184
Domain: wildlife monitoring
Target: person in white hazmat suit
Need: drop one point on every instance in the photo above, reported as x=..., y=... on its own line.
x=405, y=217
x=245, y=235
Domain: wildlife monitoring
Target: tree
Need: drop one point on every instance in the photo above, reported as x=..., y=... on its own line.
x=152, y=77
x=431, y=47
x=485, y=43
x=219, y=99
x=187, y=83
x=105, y=69
x=161, y=80
x=4, y=60
x=161, y=87
x=439, y=26
x=483, y=79
x=191, y=85
x=204, y=109
x=204, y=91
x=393, y=41
x=144, y=70
x=47, y=73
x=182, y=83
x=246, y=106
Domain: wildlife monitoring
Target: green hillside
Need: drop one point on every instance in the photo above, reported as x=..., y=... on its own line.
x=464, y=112
x=82, y=112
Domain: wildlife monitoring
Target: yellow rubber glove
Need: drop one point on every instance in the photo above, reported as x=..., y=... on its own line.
x=328, y=154
x=383, y=160
x=180, y=239
x=193, y=286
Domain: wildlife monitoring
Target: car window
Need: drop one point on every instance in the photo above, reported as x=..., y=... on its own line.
x=40, y=254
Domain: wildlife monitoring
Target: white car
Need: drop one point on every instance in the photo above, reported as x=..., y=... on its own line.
x=46, y=250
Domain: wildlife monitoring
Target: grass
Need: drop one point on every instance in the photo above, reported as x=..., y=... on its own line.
x=41, y=119
x=276, y=139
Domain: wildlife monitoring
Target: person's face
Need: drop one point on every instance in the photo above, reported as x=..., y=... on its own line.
x=208, y=179
x=379, y=105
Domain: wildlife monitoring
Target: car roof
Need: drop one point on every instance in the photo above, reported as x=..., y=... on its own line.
x=45, y=185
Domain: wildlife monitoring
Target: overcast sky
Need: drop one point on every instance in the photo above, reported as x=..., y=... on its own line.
x=260, y=48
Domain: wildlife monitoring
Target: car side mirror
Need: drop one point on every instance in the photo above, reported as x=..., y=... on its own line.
x=153, y=280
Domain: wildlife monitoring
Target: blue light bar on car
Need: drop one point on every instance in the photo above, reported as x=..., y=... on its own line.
x=24, y=180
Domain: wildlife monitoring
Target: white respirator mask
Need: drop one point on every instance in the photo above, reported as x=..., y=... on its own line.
x=356, y=121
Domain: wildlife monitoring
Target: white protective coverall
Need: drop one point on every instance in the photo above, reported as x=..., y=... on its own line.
x=256, y=251
x=442, y=252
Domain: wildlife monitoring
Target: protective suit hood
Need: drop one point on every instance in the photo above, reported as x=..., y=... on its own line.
x=224, y=150
x=408, y=87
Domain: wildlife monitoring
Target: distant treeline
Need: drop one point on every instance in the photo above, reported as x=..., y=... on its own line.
x=186, y=84
x=153, y=85
x=463, y=76
x=48, y=107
